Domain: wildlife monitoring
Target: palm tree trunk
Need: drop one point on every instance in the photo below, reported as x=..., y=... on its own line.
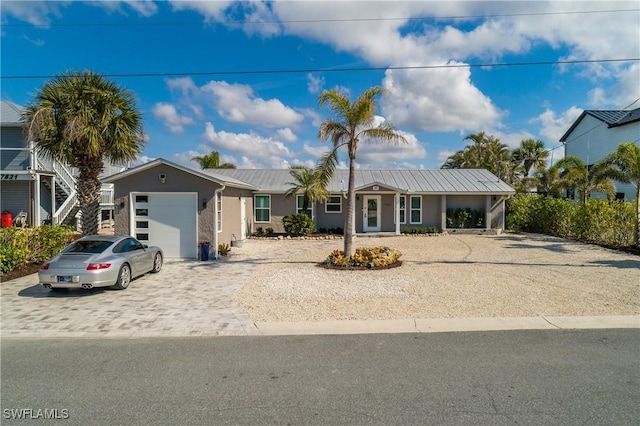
x=89, y=196
x=351, y=207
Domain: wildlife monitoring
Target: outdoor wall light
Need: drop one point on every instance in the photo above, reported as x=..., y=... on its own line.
x=122, y=204
x=162, y=177
x=204, y=203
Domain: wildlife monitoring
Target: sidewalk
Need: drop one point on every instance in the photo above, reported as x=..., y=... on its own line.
x=438, y=325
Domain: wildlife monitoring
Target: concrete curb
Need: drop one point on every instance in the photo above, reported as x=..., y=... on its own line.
x=439, y=325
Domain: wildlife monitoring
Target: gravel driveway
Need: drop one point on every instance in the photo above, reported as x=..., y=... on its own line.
x=455, y=275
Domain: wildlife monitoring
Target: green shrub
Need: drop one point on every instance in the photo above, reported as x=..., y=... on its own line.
x=420, y=230
x=25, y=246
x=298, y=225
x=598, y=221
x=369, y=257
x=269, y=231
x=259, y=231
x=223, y=249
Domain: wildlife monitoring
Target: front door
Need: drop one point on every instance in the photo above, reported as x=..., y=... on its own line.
x=371, y=213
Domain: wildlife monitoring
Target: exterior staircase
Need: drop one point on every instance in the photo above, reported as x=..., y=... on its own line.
x=66, y=198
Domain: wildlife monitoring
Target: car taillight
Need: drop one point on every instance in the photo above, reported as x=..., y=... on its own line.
x=44, y=267
x=95, y=266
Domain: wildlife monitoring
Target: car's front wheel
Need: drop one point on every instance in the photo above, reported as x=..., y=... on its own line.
x=124, y=277
x=157, y=263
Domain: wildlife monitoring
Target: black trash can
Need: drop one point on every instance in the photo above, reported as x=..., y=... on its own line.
x=204, y=250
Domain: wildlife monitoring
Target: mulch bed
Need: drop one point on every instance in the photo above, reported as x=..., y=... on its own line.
x=359, y=268
x=20, y=272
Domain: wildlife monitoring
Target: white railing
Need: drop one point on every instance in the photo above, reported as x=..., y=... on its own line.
x=106, y=196
x=61, y=214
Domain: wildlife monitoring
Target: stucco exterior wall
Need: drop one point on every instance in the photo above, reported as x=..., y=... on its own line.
x=477, y=202
x=147, y=181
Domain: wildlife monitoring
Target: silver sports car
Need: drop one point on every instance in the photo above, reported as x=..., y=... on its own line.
x=100, y=261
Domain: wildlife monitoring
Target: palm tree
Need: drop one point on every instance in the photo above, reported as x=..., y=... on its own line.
x=351, y=124
x=576, y=175
x=547, y=181
x=530, y=154
x=83, y=119
x=212, y=161
x=623, y=165
x=307, y=182
x=485, y=152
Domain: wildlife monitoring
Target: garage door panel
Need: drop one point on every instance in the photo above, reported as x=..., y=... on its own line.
x=172, y=224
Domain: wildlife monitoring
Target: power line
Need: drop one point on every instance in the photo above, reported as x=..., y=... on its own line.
x=334, y=70
x=311, y=21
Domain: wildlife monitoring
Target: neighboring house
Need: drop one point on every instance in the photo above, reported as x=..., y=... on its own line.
x=36, y=185
x=596, y=134
x=176, y=207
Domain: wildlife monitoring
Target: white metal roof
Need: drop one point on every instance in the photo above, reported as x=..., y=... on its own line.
x=441, y=181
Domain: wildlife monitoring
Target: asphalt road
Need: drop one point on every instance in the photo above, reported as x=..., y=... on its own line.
x=553, y=377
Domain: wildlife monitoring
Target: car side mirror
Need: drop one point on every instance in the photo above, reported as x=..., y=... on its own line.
x=145, y=246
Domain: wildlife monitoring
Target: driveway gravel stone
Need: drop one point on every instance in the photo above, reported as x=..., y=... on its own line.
x=451, y=276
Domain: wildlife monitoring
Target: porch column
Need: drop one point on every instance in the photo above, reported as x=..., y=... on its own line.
x=54, y=218
x=487, y=212
x=443, y=212
x=396, y=211
x=36, y=200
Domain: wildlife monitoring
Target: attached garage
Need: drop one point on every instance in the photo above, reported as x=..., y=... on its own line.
x=168, y=220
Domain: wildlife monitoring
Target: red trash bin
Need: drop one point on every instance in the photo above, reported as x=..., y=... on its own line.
x=7, y=219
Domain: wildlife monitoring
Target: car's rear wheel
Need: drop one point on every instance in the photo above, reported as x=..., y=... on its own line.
x=157, y=263
x=124, y=277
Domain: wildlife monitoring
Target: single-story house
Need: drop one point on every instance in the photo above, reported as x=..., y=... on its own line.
x=175, y=207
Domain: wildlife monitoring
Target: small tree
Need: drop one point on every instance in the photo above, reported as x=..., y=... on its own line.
x=212, y=161
x=308, y=183
x=623, y=165
x=576, y=175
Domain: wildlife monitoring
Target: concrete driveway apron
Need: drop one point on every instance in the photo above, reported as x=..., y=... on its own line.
x=187, y=298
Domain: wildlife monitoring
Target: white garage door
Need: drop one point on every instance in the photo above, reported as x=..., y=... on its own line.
x=169, y=221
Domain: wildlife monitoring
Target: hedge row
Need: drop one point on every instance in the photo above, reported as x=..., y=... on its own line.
x=26, y=246
x=609, y=223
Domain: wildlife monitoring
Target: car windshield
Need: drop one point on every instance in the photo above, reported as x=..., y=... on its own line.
x=88, y=246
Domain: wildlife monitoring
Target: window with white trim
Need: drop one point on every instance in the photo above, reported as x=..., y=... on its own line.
x=219, y=209
x=262, y=208
x=300, y=205
x=333, y=204
x=415, y=211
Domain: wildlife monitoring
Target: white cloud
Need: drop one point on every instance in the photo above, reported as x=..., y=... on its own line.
x=254, y=150
x=142, y=7
x=553, y=127
x=314, y=84
x=437, y=100
x=286, y=135
x=211, y=10
x=238, y=104
x=169, y=116
x=314, y=115
x=382, y=155
x=140, y=159
x=36, y=42
x=444, y=154
x=33, y=12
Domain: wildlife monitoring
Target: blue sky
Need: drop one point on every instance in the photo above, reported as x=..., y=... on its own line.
x=209, y=89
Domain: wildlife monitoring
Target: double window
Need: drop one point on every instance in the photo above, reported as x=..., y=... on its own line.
x=333, y=204
x=262, y=208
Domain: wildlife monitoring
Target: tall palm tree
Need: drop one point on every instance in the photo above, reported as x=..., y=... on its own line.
x=530, y=154
x=212, y=161
x=623, y=165
x=351, y=124
x=307, y=182
x=576, y=175
x=83, y=119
